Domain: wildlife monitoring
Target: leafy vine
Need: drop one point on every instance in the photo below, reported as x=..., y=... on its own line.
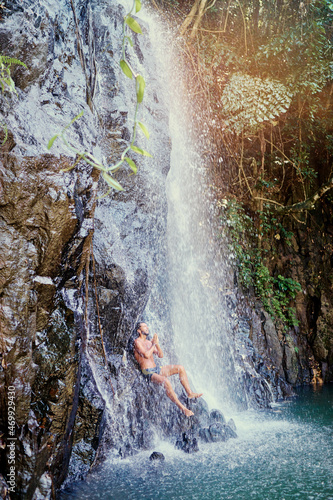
x=108, y=171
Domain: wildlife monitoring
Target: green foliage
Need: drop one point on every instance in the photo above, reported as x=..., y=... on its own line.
x=265, y=71
x=7, y=84
x=275, y=292
x=87, y=157
x=300, y=56
x=250, y=102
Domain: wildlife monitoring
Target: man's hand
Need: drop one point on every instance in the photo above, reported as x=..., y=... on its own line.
x=155, y=339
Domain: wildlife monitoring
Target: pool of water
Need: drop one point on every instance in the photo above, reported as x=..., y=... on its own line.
x=283, y=453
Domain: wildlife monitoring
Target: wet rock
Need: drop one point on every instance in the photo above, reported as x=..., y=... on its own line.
x=217, y=416
x=217, y=432
x=156, y=455
x=187, y=443
x=291, y=364
x=4, y=489
x=205, y=435
x=126, y=451
x=232, y=424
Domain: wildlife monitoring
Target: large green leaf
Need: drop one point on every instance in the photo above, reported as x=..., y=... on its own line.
x=133, y=24
x=112, y=182
x=144, y=129
x=137, y=5
x=140, y=151
x=131, y=164
x=140, y=88
x=126, y=69
x=51, y=141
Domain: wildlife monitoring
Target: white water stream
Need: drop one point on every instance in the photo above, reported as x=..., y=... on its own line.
x=197, y=272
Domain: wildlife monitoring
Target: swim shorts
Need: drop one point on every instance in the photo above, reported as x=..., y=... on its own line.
x=148, y=372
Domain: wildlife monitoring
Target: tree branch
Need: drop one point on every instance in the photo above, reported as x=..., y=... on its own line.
x=307, y=204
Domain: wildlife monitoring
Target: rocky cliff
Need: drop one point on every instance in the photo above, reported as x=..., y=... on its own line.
x=71, y=50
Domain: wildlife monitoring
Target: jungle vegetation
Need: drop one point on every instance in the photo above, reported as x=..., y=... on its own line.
x=262, y=71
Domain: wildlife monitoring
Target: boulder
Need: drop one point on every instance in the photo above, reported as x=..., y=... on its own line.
x=187, y=443
x=157, y=455
x=217, y=416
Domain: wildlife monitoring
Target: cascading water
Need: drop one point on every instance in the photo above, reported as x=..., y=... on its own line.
x=197, y=273
x=186, y=303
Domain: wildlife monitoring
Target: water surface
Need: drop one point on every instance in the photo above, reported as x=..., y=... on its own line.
x=282, y=453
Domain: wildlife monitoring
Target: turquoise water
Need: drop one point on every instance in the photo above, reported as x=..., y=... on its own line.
x=283, y=453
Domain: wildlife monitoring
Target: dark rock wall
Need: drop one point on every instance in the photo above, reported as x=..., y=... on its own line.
x=72, y=51
x=303, y=354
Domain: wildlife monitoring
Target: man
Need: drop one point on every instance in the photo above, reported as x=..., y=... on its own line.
x=144, y=351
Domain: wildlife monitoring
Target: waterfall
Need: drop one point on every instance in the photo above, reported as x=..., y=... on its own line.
x=196, y=274
x=159, y=260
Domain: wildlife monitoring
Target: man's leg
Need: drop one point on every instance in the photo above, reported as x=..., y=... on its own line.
x=168, y=370
x=161, y=380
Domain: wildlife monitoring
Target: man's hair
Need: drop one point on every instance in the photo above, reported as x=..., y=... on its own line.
x=137, y=326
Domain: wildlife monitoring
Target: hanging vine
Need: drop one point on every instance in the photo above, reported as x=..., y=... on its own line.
x=109, y=170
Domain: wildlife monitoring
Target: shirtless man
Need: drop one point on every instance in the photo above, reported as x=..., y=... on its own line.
x=144, y=351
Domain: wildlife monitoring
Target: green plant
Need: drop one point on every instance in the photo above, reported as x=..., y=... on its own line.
x=108, y=171
x=87, y=157
x=7, y=84
x=275, y=293
x=249, y=102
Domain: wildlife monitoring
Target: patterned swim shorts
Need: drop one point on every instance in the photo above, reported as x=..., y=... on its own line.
x=148, y=372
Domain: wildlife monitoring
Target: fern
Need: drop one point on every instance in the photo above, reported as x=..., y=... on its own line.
x=250, y=102
x=6, y=81
x=8, y=61
x=7, y=84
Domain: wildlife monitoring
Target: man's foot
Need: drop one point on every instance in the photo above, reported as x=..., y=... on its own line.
x=187, y=412
x=193, y=395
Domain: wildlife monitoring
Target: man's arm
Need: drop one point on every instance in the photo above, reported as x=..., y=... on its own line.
x=145, y=353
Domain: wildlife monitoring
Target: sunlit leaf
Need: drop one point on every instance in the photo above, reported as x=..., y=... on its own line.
x=131, y=164
x=140, y=151
x=51, y=141
x=112, y=182
x=144, y=129
x=137, y=5
x=126, y=69
x=140, y=88
x=133, y=24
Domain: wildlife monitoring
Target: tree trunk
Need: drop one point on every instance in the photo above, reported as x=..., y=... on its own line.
x=189, y=18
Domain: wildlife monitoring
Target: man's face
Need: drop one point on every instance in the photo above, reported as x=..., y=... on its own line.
x=144, y=329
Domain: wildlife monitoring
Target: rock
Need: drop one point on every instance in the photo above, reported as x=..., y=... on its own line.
x=187, y=443
x=205, y=435
x=156, y=455
x=217, y=432
x=217, y=416
x=126, y=451
x=291, y=364
x=274, y=347
x=232, y=424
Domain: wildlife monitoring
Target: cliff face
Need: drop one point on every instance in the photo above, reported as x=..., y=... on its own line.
x=302, y=354
x=72, y=51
